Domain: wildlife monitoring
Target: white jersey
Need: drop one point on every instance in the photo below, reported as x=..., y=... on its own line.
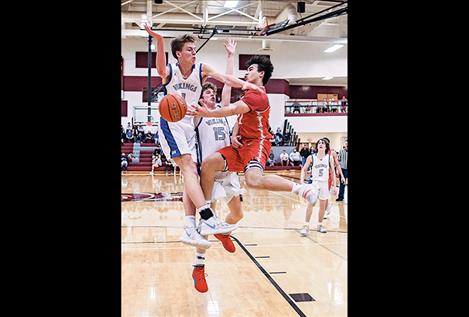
x=212, y=134
x=320, y=168
x=178, y=138
x=190, y=88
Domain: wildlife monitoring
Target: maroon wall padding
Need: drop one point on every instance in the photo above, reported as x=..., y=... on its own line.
x=141, y=59
x=136, y=83
x=311, y=92
x=243, y=58
x=278, y=86
x=123, y=108
x=274, y=86
x=122, y=72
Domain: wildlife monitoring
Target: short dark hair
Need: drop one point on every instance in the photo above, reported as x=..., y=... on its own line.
x=208, y=85
x=263, y=64
x=178, y=43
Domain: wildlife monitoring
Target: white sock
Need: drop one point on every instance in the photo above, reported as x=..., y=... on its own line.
x=319, y=224
x=199, y=259
x=207, y=205
x=296, y=188
x=306, y=224
x=189, y=221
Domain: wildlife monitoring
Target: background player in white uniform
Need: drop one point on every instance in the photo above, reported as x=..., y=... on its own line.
x=321, y=162
x=178, y=138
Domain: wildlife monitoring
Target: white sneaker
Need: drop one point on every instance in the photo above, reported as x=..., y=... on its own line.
x=309, y=192
x=151, y=173
x=328, y=211
x=321, y=229
x=304, y=231
x=213, y=226
x=192, y=237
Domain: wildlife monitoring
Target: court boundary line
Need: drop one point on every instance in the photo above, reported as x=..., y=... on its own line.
x=308, y=237
x=272, y=281
x=244, y=227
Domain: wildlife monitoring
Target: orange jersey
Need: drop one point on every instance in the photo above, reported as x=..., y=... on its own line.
x=255, y=123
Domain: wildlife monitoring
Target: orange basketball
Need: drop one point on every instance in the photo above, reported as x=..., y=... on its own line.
x=173, y=107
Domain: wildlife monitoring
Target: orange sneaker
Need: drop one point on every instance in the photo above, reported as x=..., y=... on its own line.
x=198, y=274
x=226, y=241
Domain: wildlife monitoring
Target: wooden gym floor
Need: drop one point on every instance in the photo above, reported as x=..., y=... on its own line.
x=272, y=261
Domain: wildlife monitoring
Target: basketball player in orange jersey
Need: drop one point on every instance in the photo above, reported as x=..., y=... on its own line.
x=253, y=111
x=321, y=163
x=178, y=138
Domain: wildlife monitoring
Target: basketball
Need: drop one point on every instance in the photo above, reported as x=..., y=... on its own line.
x=173, y=107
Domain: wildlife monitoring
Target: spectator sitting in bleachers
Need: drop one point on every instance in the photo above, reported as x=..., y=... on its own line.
x=287, y=138
x=124, y=162
x=305, y=152
x=343, y=102
x=271, y=159
x=170, y=166
x=296, y=107
x=284, y=158
x=129, y=127
x=295, y=158
x=156, y=162
x=278, y=137
x=148, y=137
x=129, y=136
x=272, y=139
x=140, y=133
x=137, y=134
x=131, y=157
x=157, y=149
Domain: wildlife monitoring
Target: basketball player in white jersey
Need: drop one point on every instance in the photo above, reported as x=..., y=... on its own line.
x=321, y=165
x=212, y=135
x=178, y=138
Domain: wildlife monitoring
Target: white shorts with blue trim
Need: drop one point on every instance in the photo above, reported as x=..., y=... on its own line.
x=226, y=186
x=177, y=138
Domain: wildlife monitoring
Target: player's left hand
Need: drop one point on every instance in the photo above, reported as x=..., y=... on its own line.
x=197, y=110
x=230, y=46
x=191, y=110
x=150, y=32
x=236, y=141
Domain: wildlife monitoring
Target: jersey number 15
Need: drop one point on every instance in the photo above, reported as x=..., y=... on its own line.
x=219, y=133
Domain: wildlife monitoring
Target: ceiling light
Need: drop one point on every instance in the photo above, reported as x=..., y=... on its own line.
x=230, y=4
